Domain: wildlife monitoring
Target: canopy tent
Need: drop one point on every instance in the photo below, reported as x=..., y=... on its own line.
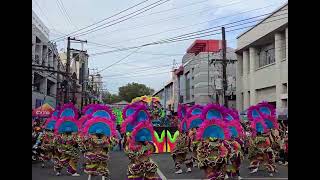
x=45, y=110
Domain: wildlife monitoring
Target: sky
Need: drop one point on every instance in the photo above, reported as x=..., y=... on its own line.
x=150, y=65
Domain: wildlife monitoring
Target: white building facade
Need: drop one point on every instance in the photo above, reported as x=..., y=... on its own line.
x=262, y=63
x=201, y=81
x=44, y=57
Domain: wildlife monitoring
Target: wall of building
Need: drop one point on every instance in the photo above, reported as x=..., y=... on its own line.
x=44, y=53
x=196, y=69
x=256, y=83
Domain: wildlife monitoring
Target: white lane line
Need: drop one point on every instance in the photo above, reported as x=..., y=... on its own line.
x=161, y=175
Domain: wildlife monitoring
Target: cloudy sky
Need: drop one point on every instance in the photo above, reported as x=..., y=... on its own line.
x=150, y=65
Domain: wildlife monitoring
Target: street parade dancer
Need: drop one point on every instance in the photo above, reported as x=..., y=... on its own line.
x=66, y=140
x=211, y=152
x=183, y=143
x=235, y=144
x=139, y=144
x=98, y=138
x=263, y=120
x=47, y=146
x=194, y=120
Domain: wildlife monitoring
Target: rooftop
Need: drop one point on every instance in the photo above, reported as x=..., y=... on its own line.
x=263, y=20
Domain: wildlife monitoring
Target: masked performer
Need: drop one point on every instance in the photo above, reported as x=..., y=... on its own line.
x=66, y=140
x=194, y=121
x=99, y=138
x=261, y=152
x=235, y=145
x=139, y=144
x=47, y=146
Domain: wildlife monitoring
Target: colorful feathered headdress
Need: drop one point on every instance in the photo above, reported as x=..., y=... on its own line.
x=68, y=110
x=140, y=113
x=213, y=111
x=232, y=120
x=262, y=117
x=50, y=123
x=100, y=125
x=67, y=121
x=214, y=128
x=182, y=111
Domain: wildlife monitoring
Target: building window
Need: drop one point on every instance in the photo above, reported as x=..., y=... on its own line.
x=36, y=82
x=266, y=55
x=187, y=76
x=284, y=88
x=39, y=102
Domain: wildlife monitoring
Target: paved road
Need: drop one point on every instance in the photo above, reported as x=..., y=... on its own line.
x=166, y=166
x=118, y=167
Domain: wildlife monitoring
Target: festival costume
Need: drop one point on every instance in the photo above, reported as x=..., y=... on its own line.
x=139, y=144
x=261, y=152
x=212, y=153
x=66, y=140
x=235, y=144
x=183, y=142
x=98, y=138
x=47, y=146
x=194, y=121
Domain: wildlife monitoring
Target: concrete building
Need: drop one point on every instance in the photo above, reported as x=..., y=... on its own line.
x=44, y=57
x=96, y=87
x=200, y=77
x=169, y=91
x=262, y=67
x=80, y=76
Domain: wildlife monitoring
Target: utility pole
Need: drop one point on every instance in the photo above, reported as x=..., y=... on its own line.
x=224, y=67
x=66, y=99
x=68, y=63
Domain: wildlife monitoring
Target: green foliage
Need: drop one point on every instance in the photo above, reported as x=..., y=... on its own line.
x=133, y=90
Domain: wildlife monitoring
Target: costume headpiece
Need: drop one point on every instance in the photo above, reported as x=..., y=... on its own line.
x=100, y=125
x=262, y=117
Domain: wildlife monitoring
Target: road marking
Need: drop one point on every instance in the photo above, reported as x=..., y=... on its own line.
x=161, y=175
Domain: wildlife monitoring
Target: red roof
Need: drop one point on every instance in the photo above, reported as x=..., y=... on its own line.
x=205, y=46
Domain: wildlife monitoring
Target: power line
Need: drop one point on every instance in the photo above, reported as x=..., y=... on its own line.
x=183, y=27
x=102, y=20
x=79, y=33
x=63, y=13
x=171, y=18
x=118, y=61
x=66, y=13
x=105, y=25
x=178, y=40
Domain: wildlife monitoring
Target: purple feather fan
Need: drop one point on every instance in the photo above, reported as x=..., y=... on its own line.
x=69, y=106
x=214, y=122
x=181, y=108
x=105, y=108
x=106, y=121
x=216, y=107
x=189, y=110
x=62, y=120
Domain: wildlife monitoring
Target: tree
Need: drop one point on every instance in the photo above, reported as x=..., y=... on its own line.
x=133, y=90
x=109, y=98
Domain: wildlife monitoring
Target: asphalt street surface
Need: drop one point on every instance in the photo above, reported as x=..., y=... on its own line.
x=118, y=168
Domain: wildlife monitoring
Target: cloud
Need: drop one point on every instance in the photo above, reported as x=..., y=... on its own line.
x=85, y=12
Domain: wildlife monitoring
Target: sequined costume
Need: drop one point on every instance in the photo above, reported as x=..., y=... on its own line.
x=194, y=120
x=47, y=144
x=263, y=143
x=98, y=137
x=235, y=144
x=139, y=146
x=68, y=153
x=181, y=151
x=66, y=140
x=212, y=153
